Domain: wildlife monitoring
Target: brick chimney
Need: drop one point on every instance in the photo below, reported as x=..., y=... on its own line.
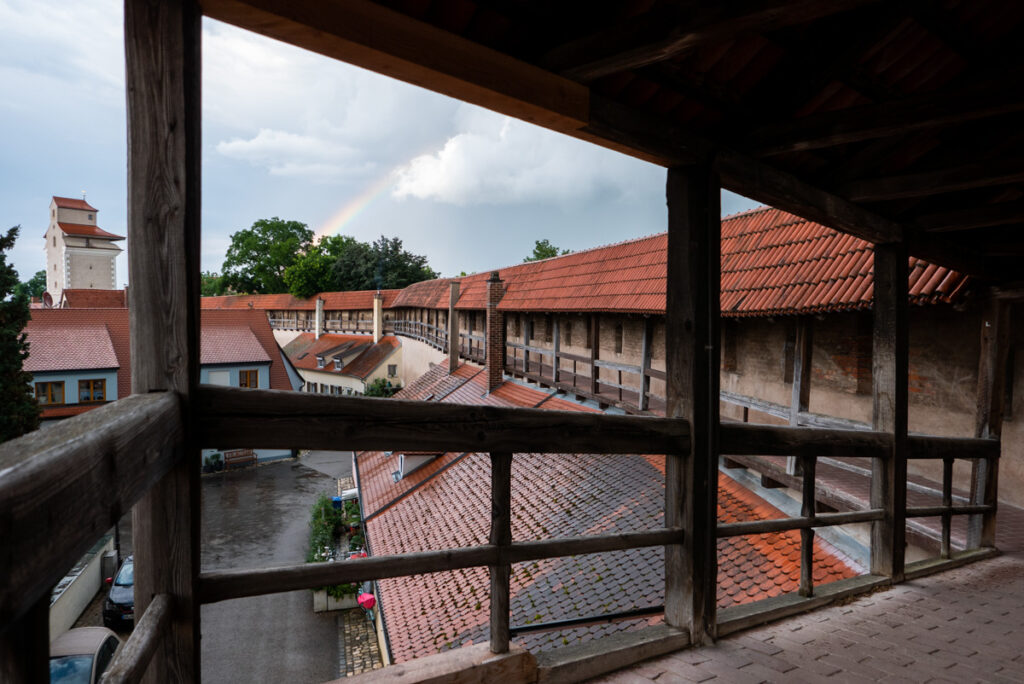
x=378, y=316
x=453, y=328
x=494, y=351
x=318, y=321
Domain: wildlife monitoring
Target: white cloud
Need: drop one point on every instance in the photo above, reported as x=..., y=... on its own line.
x=505, y=161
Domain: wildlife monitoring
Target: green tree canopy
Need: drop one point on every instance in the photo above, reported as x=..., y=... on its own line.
x=211, y=284
x=33, y=287
x=258, y=257
x=381, y=387
x=19, y=411
x=543, y=249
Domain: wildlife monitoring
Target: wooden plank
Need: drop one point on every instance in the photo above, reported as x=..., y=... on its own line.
x=889, y=366
x=163, y=74
x=84, y=476
x=946, y=547
x=474, y=664
x=981, y=216
x=278, y=419
x=621, y=367
x=453, y=327
x=25, y=646
x=770, y=526
x=556, y=345
x=500, y=538
x=894, y=118
x=131, y=662
x=380, y=39
x=931, y=447
x=692, y=391
x=991, y=394
x=602, y=543
x=646, y=345
x=584, y=661
x=807, y=510
x=629, y=45
x=932, y=566
x=980, y=174
x=801, y=391
x=739, y=439
x=932, y=511
x=595, y=345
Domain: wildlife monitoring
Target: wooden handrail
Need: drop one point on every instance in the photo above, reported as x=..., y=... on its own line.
x=131, y=662
x=60, y=488
x=785, y=524
x=279, y=419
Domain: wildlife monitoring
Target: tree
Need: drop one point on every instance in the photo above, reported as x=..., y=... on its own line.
x=19, y=410
x=384, y=265
x=381, y=387
x=33, y=287
x=211, y=284
x=314, y=271
x=258, y=257
x=543, y=249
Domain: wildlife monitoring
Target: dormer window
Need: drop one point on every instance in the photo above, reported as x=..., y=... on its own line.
x=337, y=363
x=319, y=362
x=409, y=461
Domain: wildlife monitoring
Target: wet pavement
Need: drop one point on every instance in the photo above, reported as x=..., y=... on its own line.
x=337, y=464
x=253, y=518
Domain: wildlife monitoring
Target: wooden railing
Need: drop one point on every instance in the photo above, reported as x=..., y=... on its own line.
x=433, y=335
x=98, y=464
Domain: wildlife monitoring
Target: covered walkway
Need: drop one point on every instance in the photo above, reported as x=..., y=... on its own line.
x=963, y=625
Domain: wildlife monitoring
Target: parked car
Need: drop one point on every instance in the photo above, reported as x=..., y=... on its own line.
x=82, y=655
x=119, y=606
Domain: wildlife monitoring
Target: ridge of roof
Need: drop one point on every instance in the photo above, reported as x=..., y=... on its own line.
x=73, y=203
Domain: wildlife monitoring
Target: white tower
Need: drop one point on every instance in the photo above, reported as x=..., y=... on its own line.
x=78, y=253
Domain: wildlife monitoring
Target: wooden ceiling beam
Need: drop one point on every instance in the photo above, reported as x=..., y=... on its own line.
x=932, y=111
x=659, y=36
x=981, y=174
x=985, y=216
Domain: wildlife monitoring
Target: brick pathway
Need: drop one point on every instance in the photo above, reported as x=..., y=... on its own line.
x=357, y=644
x=963, y=625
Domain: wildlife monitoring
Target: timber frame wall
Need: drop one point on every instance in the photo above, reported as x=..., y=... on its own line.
x=61, y=488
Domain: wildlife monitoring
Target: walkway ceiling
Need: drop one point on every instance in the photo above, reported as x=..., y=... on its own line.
x=900, y=120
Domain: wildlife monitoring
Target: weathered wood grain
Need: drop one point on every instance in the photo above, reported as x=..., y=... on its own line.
x=62, y=489
x=500, y=538
x=822, y=520
x=133, y=659
x=740, y=439
x=24, y=646
x=277, y=419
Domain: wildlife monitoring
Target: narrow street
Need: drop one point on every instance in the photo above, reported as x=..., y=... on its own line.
x=258, y=518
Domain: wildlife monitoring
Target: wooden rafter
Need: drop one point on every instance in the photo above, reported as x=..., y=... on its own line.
x=980, y=174
x=1001, y=214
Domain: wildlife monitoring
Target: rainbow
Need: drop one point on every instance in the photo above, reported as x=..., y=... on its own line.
x=355, y=206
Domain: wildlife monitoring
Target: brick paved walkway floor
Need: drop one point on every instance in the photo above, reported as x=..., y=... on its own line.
x=357, y=643
x=963, y=625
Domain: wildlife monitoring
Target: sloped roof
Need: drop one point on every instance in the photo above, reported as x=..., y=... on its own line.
x=259, y=328
x=83, y=230
x=53, y=348
x=305, y=348
x=76, y=298
x=72, y=203
x=339, y=301
x=446, y=503
x=230, y=344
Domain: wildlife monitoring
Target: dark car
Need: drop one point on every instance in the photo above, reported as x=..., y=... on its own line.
x=81, y=655
x=119, y=606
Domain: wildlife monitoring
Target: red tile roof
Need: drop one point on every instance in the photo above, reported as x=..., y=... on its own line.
x=72, y=203
x=358, y=353
x=66, y=339
x=230, y=344
x=83, y=230
x=447, y=503
x=359, y=300
x=74, y=298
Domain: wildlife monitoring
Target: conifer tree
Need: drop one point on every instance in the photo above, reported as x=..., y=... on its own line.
x=19, y=411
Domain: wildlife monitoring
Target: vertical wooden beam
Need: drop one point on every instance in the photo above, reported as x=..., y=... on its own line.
x=25, y=646
x=501, y=536
x=889, y=367
x=993, y=357
x=807, y=510
x=801, y=397
x=692, y=392
x=595, y=342
x=555, y=348
x=947, y=500
x=645, y=363
x=163, y=68
x=453, y=327
x=526, y=341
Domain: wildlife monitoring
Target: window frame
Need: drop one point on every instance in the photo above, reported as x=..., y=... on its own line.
x=91, y=383
x=245, y=378
x=49, y=394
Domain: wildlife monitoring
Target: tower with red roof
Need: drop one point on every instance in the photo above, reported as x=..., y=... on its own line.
x=79, y=254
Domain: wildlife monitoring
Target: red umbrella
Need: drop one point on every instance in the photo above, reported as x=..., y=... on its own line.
x=367, y=601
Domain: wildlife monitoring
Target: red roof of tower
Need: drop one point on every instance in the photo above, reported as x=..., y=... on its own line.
x=72, y=203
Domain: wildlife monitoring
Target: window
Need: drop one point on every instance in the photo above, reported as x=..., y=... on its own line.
x=90, y=391
x=319, y=362
x=48, y=393
x=90, y=217
x=392, y=370
x=54, y=240
x=249, y=378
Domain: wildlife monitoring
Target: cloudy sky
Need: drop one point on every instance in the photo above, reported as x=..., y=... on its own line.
x=291, y=134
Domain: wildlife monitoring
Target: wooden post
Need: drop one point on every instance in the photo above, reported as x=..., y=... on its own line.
x=453, y=328
x=525, y=320
x=595, y=342
x=807, y=510
x=645, y=363
x=501, y=536
x=691, y=392
x=801, y=397
x=995, y=334
x=25, y=646
x=162, y=56
x=945, y=549
x=889, y=367
x=555, y=347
